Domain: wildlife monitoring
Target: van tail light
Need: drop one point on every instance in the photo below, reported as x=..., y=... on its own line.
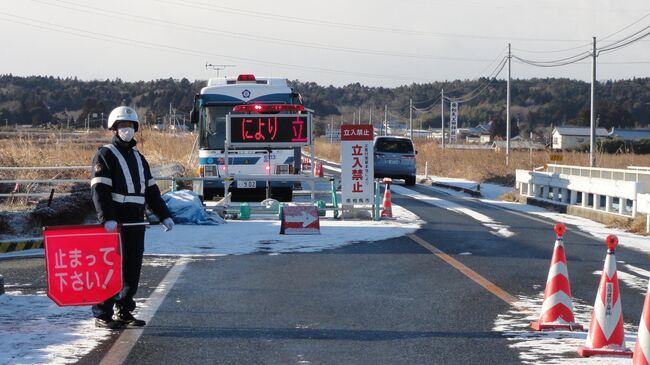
x=409, y=156
x=379, y=154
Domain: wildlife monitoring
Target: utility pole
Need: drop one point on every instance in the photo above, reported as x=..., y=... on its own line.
x=442, y=116
x=359, y=115
x=508, y=110
x=331, y=129
x=370, y=122
x=411, y=118
x=385, y=120
x=592, y=139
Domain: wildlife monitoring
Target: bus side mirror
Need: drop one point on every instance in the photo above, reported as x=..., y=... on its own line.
x=194, y=114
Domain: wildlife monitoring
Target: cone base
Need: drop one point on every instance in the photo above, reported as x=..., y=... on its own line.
x=538, y=326
x=585, y=351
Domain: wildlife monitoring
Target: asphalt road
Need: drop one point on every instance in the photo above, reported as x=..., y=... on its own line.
x=386, y=302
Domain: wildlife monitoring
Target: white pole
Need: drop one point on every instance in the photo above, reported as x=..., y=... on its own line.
x=442, y=116
x=385, y=119
x=411, y=118
x=508, y=110
x=592, y=139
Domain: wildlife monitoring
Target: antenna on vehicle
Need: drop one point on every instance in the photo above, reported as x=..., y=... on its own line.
x=217, y=67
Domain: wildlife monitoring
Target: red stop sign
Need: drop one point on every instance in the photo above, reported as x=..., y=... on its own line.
x=83, y=263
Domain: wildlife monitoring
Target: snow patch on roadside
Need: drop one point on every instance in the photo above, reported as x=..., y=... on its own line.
x=34, y=330
x=263, y=236
x=552, y=347
x=495, y=227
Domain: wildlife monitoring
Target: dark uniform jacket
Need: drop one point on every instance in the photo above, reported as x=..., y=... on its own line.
x=122, y=183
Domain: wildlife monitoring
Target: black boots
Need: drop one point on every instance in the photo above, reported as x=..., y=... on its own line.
x=128, y=319
x=109, y=323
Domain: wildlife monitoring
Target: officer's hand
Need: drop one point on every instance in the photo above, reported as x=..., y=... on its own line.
x=168, y=223
x=110, y=226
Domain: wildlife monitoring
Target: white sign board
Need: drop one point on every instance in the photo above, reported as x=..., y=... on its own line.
x=357, y=164
x=643, y=203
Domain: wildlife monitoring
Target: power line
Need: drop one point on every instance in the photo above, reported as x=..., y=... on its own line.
x=251, y=37
x=624, y=28
x=330, y=24
x=479, y=89
x=40, y=24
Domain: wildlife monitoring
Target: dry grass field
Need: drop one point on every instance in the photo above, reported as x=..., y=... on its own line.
x=31, y=149
x=58, y=149
x=489, y=165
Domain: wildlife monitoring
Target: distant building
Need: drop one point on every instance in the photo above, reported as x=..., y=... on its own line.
x=572, y=137
x=630, y=134
x=518, y=143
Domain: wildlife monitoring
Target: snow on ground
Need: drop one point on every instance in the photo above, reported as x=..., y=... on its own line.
x=263, y=235
x=495, y=227
x=553, y=347
x=34, y=330
x=559, y=347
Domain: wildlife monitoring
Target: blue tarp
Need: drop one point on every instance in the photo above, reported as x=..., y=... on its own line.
x=186, y=208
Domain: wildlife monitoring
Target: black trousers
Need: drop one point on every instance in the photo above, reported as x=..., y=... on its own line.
x=132, y=252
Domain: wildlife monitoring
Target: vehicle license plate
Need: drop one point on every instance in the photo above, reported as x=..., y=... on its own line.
x=393, y=162
x=246, y=184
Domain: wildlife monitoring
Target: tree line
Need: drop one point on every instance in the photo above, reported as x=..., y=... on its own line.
x=536, y=103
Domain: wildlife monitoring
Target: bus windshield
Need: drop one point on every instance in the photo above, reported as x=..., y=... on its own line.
x=213, y=126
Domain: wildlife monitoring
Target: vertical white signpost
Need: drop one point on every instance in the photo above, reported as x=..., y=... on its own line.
x=357, y=165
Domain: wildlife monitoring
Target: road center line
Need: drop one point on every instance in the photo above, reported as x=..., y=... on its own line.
x=473, y=275
x=123, y=345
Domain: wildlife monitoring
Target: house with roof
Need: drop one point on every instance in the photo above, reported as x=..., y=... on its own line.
x=630, y=134
x=565, y=138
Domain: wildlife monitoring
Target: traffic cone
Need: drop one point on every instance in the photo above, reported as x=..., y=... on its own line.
x=387, y=206
x=606, y=335
x=557, y=310
x=642, y=346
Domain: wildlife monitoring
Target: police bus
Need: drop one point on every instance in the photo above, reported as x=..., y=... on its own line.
x=232, y=105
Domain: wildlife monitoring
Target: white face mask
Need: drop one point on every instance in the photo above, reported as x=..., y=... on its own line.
x=126, y=134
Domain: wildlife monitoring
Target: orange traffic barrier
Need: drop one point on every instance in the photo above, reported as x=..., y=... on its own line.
x=606, y=334
x=557, y=309
x=387, y=205
x=642, y=346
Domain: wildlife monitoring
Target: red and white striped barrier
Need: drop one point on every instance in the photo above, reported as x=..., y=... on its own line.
x=606, y=334
x=557, y=310
x=642, y=346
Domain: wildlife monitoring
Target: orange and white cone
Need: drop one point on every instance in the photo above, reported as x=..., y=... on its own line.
x=606, y=334
x=387, y=205
x=557, y=310
x=642, y=346
x=318, y=169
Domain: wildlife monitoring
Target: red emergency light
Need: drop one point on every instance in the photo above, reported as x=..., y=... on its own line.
x=268, y=108
x=246, y=77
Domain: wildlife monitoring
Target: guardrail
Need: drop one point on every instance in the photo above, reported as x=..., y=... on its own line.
x=613, y=191
x=169, y=170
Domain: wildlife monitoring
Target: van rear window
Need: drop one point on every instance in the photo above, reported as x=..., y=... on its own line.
x=394, y=146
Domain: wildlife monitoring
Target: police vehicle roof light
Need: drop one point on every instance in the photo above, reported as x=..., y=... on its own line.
x=246, y=78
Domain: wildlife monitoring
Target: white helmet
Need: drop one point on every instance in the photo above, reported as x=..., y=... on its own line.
x=123, y=113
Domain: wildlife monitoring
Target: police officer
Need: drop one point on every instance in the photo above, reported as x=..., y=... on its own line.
x=121, y=186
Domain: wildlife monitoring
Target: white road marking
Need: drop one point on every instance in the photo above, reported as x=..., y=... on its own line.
x=123, y=345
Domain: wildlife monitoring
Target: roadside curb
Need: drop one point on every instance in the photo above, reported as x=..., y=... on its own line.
x=474, y=193
x=20, y=245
